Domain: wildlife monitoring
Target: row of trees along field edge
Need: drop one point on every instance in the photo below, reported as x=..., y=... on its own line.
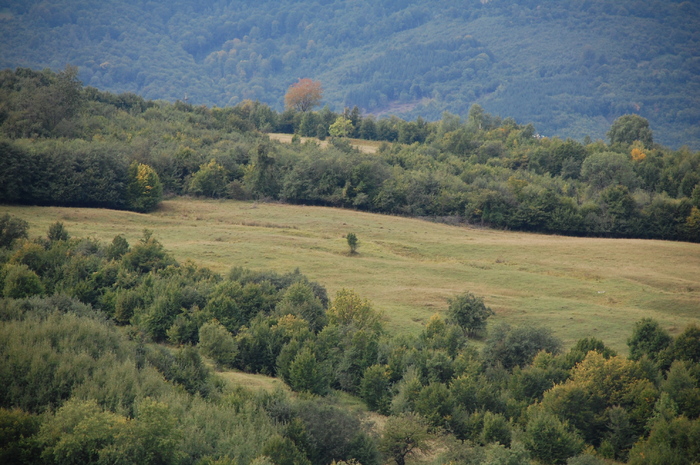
x=65, y=144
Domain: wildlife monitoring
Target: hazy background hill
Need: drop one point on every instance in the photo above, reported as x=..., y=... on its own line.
x=568, y=66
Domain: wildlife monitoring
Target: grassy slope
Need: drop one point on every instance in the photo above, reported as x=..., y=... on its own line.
x=366, y=146
x=408, y=268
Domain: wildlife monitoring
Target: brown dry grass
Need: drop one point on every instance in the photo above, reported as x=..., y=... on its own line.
x=366, y=146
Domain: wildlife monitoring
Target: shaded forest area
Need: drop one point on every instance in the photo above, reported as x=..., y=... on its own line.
x=85, y=382
x=65, y=144
x=569, y=67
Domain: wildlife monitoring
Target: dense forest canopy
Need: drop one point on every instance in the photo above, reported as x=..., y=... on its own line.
x=569, y=67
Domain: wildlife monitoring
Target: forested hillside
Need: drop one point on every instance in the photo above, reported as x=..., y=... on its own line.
x=84, y=380
x=65, y=144
x=569, y=67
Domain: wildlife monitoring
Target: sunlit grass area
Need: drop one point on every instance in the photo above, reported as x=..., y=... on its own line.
x=367, y=146
x=408, y=268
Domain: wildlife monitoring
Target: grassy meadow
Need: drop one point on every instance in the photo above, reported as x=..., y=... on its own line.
x=408, y=268
x=366, y=146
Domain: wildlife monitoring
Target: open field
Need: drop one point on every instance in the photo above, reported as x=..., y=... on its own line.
x=366, y=146
x=408, y=268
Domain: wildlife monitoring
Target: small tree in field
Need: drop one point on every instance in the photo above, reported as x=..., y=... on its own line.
x=303, y=95
x=57, y=232
x=352, y=242
x=469, y=312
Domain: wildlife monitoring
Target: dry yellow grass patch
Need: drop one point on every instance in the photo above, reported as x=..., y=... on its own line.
x=366, y=146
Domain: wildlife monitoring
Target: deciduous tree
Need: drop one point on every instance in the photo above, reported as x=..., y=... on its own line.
x=145, y=190
x=57, y=232
x=209, y=181
x=303, y=95
x=469, y=312
x=342, y=127
x=404, y=435
x=12, y=228
x=549, y=439
x=629, y=128
x=21, y=282
x=375, y=388
x=216, y=342
x=648, y=338
x=306, y=374
x=349, y=308
x=518, y=346
x=299, y=300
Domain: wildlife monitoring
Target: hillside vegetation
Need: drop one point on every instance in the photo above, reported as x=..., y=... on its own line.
x=85, y=382
x=186, y=285
x=409, y=268
x=570, y=67
x=65, y=144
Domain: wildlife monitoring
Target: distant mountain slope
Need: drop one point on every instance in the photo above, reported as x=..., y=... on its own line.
x=568, y=66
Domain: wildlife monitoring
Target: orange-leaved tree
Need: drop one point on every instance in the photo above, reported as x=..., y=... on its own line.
x=303, y=95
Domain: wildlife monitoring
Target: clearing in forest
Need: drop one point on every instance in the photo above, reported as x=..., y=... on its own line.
x=408, y=268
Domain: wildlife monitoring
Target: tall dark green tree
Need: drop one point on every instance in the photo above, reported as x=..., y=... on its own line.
x=648, y=338
x=550, y=440
x=629, y=128
x=307, y=374
x=262, y=177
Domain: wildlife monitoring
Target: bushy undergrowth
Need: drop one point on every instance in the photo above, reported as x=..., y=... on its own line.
x=84, y=379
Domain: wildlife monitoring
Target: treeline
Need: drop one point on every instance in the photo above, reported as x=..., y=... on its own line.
x=582, y=65
x=84, y=383
x=69, y=145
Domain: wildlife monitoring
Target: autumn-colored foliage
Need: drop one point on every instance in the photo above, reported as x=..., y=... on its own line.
x=638, y=155
x=637, y=151
x=303, y=95
x=145, y=190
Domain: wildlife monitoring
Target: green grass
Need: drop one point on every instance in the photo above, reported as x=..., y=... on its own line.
x=255, y=382
x=408, y=268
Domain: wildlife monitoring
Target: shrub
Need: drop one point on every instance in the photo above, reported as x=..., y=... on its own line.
x=352, y=242
x=216, y=342
x=12, y=228
x=57, y=232
x=469, y=312
x=21, y=282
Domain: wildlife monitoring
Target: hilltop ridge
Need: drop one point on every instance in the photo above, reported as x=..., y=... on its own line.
x=568, y=67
